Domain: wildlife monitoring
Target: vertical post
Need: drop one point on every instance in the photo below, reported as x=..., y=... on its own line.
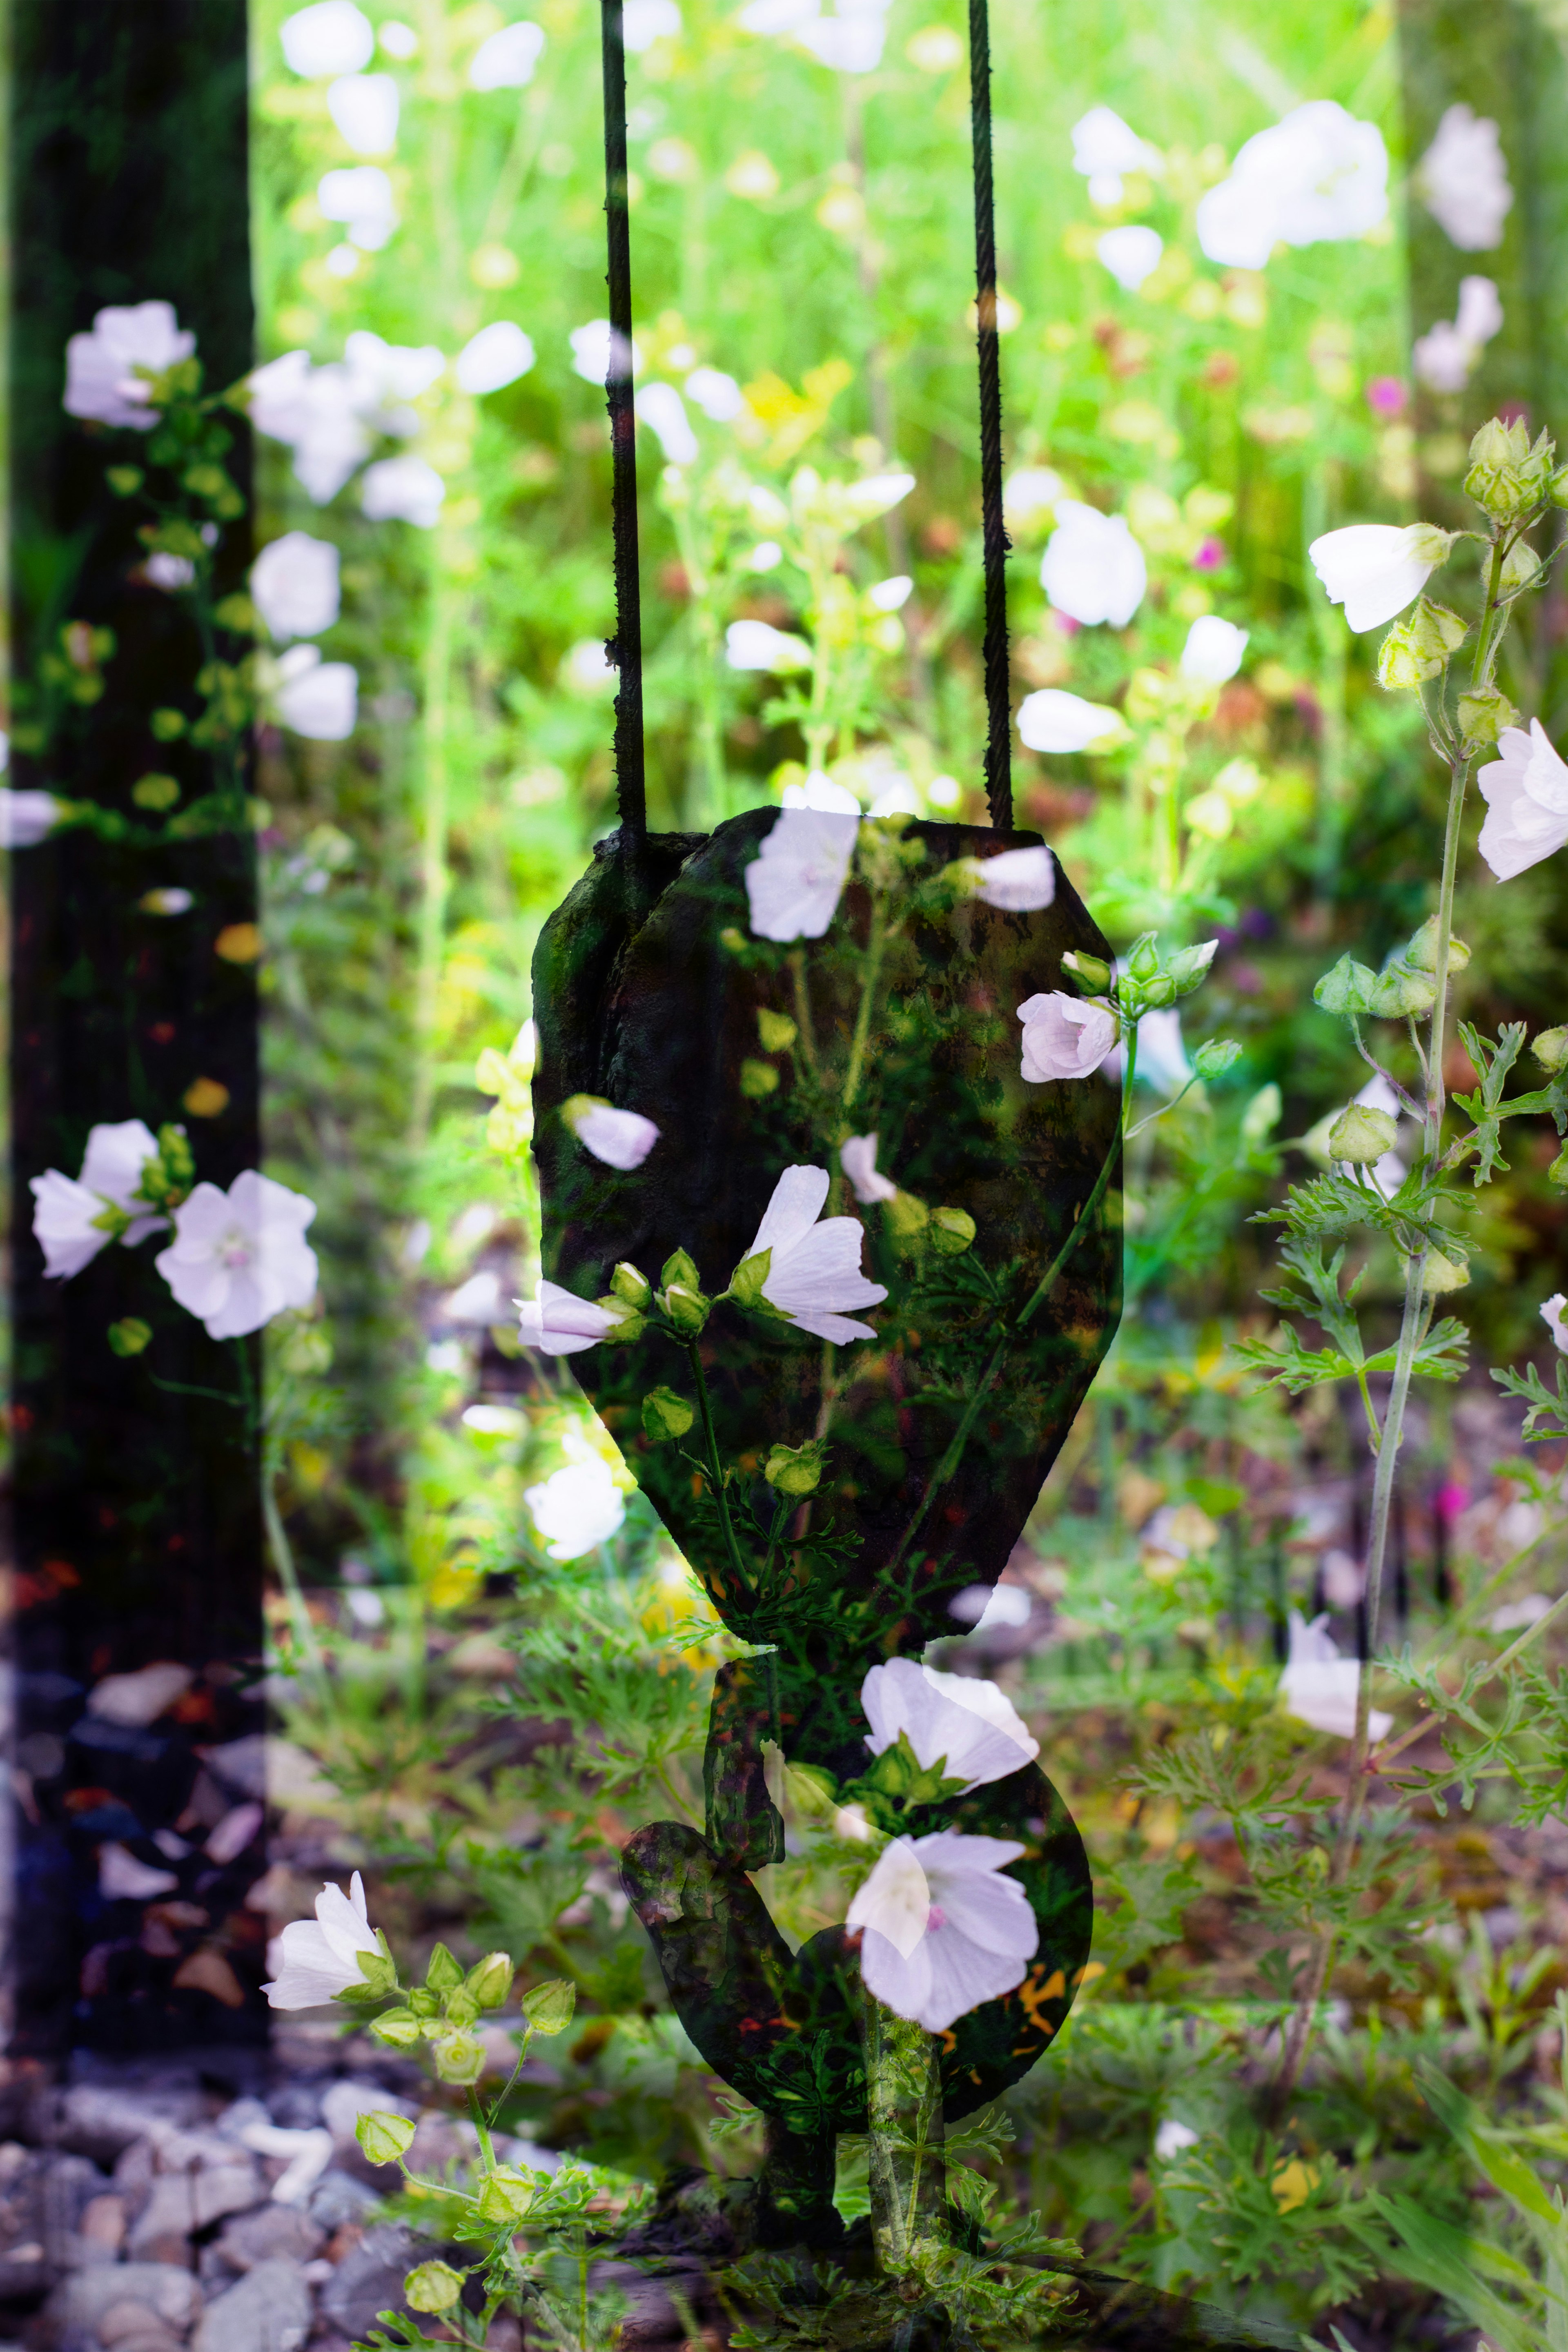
x=135, y=1494
x=625, y=648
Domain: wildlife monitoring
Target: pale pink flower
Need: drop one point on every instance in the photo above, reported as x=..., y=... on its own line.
x=857, y=1158
x=1093, y=568
x=577, y=1509
x=1317, y=176
x=621, y=1138
x=558, y=1323
x=968, y=1727
x=294, y=586
x=1018, y=881
x=1462, y=180
x=107, y=371
x=941, y=1928
x=25, y=818
x=1551, y=1316
x=1065, y=1037
x=240, y=1257
x=1526, y=792
x=814, y=1271
x=794, y=883
x=1055, y=720
x=319, y=1958
x=1375, y=569
x=68, y=1209
x=1320, y=1687
x=1213, y=652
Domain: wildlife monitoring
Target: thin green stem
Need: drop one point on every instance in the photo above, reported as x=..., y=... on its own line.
x=481, y=2125
x=716, y=1472
x=509, y=2085
x=874, y=950
x=435, y=816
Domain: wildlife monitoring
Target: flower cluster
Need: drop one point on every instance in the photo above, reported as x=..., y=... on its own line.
x=1071, y=1037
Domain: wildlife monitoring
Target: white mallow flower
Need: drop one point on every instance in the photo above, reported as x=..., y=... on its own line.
x=1161, y=1055
x=1462, y=180
x=814, y=1273
x=294, y=586
x=968, y=1727
x=857, y=1158
x=1104, y=149
x=1526, y=792
x=333, y=37
x=851, y=42
x=359, y=196
x=1213, y=651
x=26, y=817
x=558, y=1323
x=1018, y=881
x=644, y=21
x=1029, y=496
x=591, y=347
x=168, y=571
x=329, y=414
x=576, y=1509
x=1315, y=177
x=621, y=1138
x=318, y=1958
x=1065, y=1037
x=1131, y=254
x=820, y=792
x=1172, y=2138
x=403, y=490
x=794, y=882
x=757, y=645
x=660, y=408
x=1551, y=1316
x=1445, y=356
x=240, y=1257
x=506, y=59
x=1320, y=1687
x=718, y=395
x=364, y=106
x=315, y=698
x=493, y=358
x=1375, y=569
x=1055, y=720
x=107, y=370
x=1093, y=568
x=941, y=1928
x=67, y=1209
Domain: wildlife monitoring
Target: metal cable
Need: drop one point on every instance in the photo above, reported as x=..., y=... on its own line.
x=998, y=735
x=625, y=648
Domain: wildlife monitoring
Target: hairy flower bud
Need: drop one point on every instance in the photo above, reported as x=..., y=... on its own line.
x=1521, y=566
x=1346, y=988
x=1399, y=992
x=758, y=1079
x=434, y=2286
x=679, y=1269
x=1422, y=950
x=1550, y=1050
x=795, y=1469
x=399, y=2028
x=1189, y=967
x=1215, y=1055
x=445, y=1973
x=952, y=1232
x=459, y=2058
x=1508, y=474
x=1483, y=716
x=664, y=1414
x=460, y=2008
x=1418, y=646
x=506, y=2196
x=548, y=2007
x=383, y=2138
x=1360, y=1134
x=632, y=1287
x=685, y=1308
x=777, y=1030
x=1092, y=973
x=628, y=1325
x=489, y=1980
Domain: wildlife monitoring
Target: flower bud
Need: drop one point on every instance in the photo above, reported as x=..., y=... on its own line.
x=1215, y=1056
x=1558, y=1171
x=422, y=2004
x=686, y=1308
x=434, y=2286
x=952, y=1232
x=445, y=1973
x=1422, y=950
x=1418, y=646
x=1143, y=958
x=399, y=2028
x=632, y=1287
x=459, y=2058
x=1521, y=565
x=795, y=1469
x=1441, y=1272
x=506, y=2195
x=908, y=1216
x=383, y=2138
x=1507, y=475
x=1360, y=1134
x=777, y=1030
x=679, y=1269
x=1399, y=992
x=746, y=1282
x=548, y=2007
x=460, y=2008
x=628, y=1325
x=489, y=1980
x=758, y=1079
x=1559, y=491
x=1346, y=988
x=1483, y=716
x=1093, y=973
x=1189, y=967
x=664, y=1414
x=1550, y=1050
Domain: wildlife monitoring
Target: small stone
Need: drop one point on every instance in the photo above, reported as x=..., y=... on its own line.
x=367, y=2281
x=338, y=2198
x=102, y=2222
x=101, y=2120
x=269, y=2232
x=269, y=2311
x=126, y=2322
x=78, y=2304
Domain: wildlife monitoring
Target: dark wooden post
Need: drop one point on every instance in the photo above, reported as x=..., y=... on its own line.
x=135, y=1506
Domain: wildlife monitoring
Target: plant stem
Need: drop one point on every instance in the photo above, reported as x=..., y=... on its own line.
x=716, y=1472
x=481, y=2125
x=903, y=2100
x=874, y=946
x=1047, y=1284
